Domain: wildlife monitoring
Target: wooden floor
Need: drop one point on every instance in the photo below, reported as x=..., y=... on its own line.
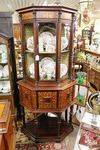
x=70, y=140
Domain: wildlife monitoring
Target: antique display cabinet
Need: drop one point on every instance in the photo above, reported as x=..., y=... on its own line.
x=47, y=87
x=7, y=69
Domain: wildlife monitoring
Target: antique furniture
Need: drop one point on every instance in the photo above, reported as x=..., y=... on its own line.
x=47, y=88
x=7, y=132
x=7, y=70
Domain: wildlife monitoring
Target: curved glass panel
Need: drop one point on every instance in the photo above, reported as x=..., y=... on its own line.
x=47, y=51
x=29, y=50
x=65, y=37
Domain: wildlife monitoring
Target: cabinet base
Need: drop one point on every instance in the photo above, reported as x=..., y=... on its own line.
x=47, y=129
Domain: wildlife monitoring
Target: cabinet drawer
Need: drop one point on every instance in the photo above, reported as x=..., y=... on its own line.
x=28, y=98
x=47, y=100
x=65, y=97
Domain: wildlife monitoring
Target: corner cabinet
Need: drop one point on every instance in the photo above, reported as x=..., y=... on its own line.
x=47, y=34
x=7, y=69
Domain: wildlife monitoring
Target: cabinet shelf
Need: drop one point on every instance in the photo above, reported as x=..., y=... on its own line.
x=5, y=94
x=4, y=79
x=91, y=52
x=1, y=63
x=47, y=53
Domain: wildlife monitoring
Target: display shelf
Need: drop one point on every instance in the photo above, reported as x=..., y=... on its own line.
x=4, y=79
x=1, y=63
x=5, y=93
x=64, y=51
x=91, y=65
x=91, y=52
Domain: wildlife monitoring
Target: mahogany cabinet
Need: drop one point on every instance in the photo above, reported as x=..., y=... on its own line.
x=47, y=34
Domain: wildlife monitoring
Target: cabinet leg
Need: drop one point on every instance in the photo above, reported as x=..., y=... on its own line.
x=36, y=126
x=71, y=114
x=23, y=114
x=66, y=114
x=59, y=123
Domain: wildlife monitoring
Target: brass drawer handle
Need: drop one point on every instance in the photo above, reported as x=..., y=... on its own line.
x=47, y=99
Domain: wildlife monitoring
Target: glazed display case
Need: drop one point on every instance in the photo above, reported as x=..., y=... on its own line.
x=48, y=85
x=6, y=69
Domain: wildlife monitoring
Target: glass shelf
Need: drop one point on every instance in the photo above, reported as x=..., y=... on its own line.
x=4, y=79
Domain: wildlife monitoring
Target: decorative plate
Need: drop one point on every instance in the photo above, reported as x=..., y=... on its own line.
x=30, y=43
x=3, y=48
x=31, y=70
x=94, y=102
x=5, y=71
x=1, y=86
x=47, y=42
x=63, y=70
x=4, y=57
x=47, y=68
x=47, y=65
x=6, y=87
x=1, y=71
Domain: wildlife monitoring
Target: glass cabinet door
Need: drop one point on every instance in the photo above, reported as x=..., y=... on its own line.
x=47, y=50
x=5, y=86
x=65, y=38
x=29, y=50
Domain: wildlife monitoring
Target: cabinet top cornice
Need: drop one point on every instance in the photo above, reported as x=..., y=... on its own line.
x=46, y=8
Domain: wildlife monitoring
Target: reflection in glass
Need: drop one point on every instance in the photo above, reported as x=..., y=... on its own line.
x=30, y=65
x=29, y=37
x=64, y=50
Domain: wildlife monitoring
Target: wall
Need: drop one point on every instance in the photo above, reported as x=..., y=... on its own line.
x=6, y=23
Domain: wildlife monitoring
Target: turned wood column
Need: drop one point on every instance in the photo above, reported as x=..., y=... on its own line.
x=58, y=47
x=71, y=44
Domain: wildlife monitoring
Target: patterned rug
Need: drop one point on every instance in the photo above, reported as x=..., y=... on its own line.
x=46, y=146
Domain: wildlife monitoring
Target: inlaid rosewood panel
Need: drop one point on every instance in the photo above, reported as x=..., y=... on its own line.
x=47, y=100
x=28, y=98
x=65, y=98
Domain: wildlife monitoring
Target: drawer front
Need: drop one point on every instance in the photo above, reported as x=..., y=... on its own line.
x=47, y=100
x=65, y=97
x=28, y=98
